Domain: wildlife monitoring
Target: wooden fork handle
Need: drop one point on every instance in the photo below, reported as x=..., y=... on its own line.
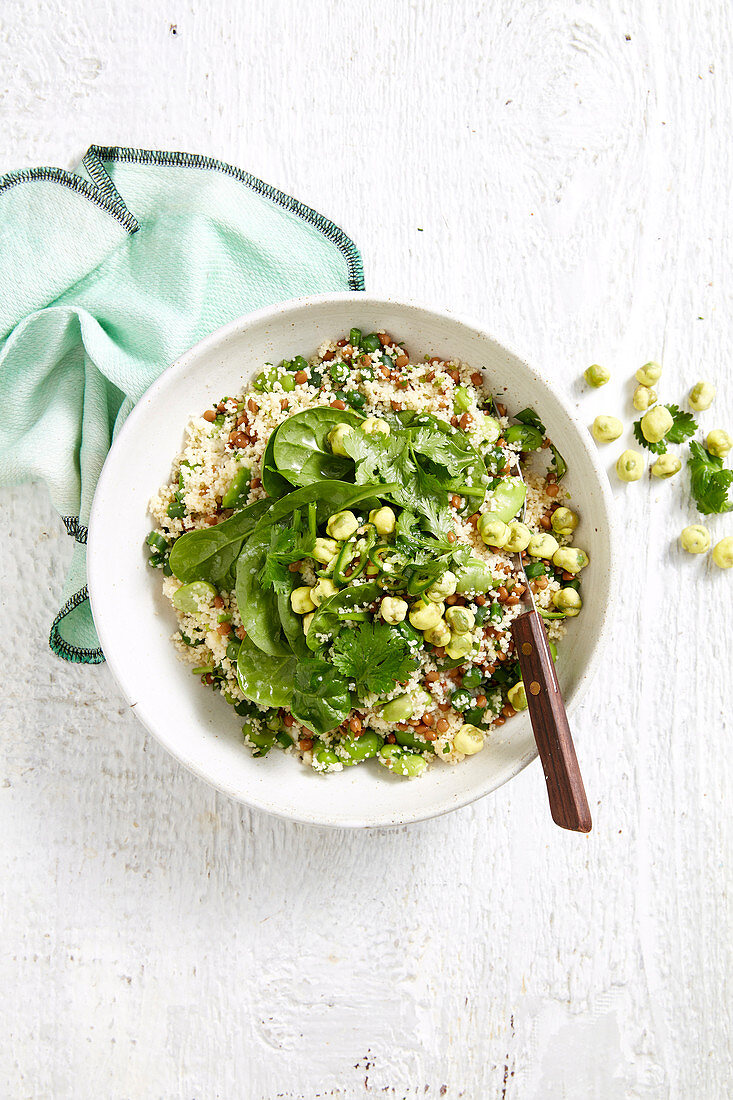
x=568, y=803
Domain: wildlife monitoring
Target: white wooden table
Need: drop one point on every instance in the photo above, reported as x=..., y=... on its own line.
x=563, y=172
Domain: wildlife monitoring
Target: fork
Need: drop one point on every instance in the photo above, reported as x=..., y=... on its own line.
x=568, y=802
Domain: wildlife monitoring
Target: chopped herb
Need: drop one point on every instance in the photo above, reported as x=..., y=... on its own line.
x=374, y=656
x=709, y=482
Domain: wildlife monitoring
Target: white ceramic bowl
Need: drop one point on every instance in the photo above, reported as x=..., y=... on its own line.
x=135, y=623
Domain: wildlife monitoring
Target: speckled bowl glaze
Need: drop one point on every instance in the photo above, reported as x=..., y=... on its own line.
x=135, y=623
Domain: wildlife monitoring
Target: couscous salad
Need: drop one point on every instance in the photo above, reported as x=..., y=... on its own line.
x=340, y=545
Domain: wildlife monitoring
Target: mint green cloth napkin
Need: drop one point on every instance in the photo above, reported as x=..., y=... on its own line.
x=108, y=275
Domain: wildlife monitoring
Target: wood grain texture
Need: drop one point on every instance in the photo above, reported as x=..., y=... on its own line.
x=565, y=790
x=563, y=172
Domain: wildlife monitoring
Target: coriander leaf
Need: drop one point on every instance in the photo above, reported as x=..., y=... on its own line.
x=321, y=699
x=656, y=448
x=286, y=546
x=683, y=427
x=709, y=482
x=374, y=656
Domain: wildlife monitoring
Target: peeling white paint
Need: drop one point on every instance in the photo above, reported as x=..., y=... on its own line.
x=573, y=191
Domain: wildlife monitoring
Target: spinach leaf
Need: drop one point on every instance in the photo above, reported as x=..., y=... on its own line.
x=258, y=605
x=291, y=623
x=265, y=679
x=528, y=437
x=327, y=619
x=301, y=449
x=321, y=699
x=330, y=496
x=561, y=466
x=274, y=484
x=529, y=416
x=209, y=554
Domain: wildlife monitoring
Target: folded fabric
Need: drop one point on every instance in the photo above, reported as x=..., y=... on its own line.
x=107, y=276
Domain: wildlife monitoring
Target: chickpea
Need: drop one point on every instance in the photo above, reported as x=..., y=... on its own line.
x=542, y=546
x=667, y=465
x=460, y=620
x=393, y=609
x=701, y=396
x=460, y=645
x=383, y=519
x=322, y=589
x=596, y=375
x=718, y=443
x=342, y=525
x=564, y=521
x=695, y=539
x=606, y=428
x=569, y=601
x=325, y=551
x=649, y=373
x=656, y=423
x=425, y=616
x=570, y=558
x=517, y=696
x=723, y=553
x=469, y=740
x=440, y=635
x=374, y=426
x=337, y=436
x=630, y=466
x=300, y=600
x=519, y=537
x=444, y=586
x=644, y=397
x=494, y=532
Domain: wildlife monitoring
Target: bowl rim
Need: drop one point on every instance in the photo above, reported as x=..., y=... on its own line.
x=209, y=343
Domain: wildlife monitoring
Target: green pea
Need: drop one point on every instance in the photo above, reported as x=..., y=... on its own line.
x=156, y=542
x=460, y=699
x=322, y=757
x=371, y=343
x=401, y=762
x=474, y=576
x=288, y=383
x=352, y=750
x=461, y=400
x=189, y=596
x=507, y=498
x=472, y=678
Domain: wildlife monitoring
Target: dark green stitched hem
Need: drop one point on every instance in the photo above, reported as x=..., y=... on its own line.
x=98, y=153
x=77, y=654
x=103, y=193
x=77, y=530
